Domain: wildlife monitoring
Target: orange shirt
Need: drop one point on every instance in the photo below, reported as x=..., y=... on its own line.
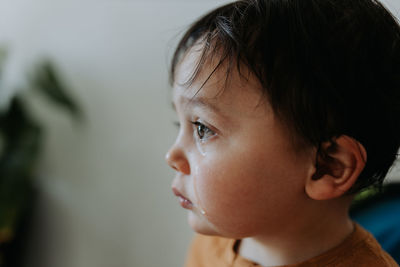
x=359, y=249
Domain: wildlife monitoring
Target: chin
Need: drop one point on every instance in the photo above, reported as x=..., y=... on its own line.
x=201, y=225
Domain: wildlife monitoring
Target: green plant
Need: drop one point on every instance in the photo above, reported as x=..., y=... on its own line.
x=21, y=140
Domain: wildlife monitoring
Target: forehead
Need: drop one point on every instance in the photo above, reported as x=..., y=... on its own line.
x=215, y=87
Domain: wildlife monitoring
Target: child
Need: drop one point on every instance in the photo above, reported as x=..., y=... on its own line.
x=287, y=108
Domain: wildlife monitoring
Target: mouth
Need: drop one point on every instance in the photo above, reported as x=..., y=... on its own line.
x=185, y=203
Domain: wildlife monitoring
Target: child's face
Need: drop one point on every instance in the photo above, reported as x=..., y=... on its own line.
x=233, y=158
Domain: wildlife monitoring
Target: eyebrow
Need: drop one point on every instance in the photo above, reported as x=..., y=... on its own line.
x=200, y=102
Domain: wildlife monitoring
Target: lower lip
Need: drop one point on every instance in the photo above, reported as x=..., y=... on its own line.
x=185, y=203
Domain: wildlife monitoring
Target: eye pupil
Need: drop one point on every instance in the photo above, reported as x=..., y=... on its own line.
x=200, y=130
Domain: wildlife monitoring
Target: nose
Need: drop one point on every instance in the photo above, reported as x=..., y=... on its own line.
x=176, y=159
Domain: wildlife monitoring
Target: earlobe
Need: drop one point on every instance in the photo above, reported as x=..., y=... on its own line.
x=338, y=165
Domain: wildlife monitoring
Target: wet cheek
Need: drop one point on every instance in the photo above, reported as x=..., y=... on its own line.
x=229, y=203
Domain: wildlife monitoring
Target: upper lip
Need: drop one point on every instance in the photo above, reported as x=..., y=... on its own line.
x=178, y=193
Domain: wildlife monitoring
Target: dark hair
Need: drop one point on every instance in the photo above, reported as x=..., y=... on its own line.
x=328, y=67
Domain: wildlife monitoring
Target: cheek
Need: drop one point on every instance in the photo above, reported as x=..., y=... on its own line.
x=245, y=195
x=233, y=195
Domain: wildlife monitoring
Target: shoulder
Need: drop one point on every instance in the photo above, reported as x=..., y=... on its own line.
x=359, y=249
x=369, y=253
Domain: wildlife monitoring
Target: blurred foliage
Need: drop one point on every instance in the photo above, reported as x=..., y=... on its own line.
x=367, y=194
x=21, y=141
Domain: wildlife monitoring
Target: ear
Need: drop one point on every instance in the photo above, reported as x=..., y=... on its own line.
x=339, y=163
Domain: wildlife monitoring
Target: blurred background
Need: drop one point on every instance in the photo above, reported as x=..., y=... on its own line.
x=101, y=189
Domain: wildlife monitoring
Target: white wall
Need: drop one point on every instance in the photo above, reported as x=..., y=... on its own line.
x=106, y=198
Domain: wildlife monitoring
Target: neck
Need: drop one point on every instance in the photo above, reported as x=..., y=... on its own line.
x=296, y=244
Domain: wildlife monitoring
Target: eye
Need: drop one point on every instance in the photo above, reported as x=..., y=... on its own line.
x=202, y=131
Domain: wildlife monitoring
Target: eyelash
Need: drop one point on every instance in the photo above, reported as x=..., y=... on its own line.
x=197, y=126
x=206, y=131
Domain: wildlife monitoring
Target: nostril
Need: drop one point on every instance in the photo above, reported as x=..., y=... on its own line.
x=172, y=165
x=177, y=160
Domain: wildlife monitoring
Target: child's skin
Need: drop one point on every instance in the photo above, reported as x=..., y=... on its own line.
x=244, y=177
